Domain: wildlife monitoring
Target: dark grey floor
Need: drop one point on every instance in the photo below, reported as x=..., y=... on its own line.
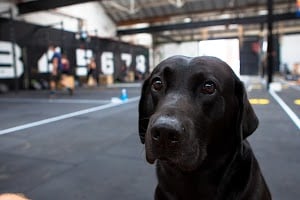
x=98, y=155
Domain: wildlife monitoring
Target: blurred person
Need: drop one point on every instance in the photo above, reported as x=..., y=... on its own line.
x=56, y=67
x=67, y=80
x=65, y=64
x=138, y=75
x=123, y=73
x=92, y=75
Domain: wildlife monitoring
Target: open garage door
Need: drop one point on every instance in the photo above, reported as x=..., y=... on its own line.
x=225, y=49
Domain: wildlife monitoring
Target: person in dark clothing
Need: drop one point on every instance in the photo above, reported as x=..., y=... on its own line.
x=66, y=77
x=65, y=65
x=92, y=75
x=122, y=74
x=56, y=67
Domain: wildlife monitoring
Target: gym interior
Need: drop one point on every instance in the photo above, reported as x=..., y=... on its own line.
x=79, y=140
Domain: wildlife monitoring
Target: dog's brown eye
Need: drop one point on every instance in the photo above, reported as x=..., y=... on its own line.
x=208, y=87
x=157, y=85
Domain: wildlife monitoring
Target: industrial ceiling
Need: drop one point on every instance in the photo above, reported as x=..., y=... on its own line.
x=187, y=20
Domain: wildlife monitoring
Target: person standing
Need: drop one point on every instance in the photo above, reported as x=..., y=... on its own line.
x=56, y=67
x=92, y=75
x=67, y=80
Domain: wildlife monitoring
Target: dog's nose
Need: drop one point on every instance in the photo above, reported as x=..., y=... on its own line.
x=166, y=130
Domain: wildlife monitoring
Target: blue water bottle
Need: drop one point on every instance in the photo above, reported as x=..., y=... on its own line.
x=124, y=96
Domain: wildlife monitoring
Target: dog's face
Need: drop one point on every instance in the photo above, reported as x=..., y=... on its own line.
x=192, y=109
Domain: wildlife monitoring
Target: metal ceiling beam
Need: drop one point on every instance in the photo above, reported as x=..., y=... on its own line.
x=165, y=17
x=167, y=38
x=137, y=21
x=224, y=35
x=201, y=24
x=34, y=6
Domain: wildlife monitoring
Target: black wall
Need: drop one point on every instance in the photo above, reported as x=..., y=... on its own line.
x=34, y=40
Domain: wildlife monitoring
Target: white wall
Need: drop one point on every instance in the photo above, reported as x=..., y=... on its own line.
x=47, y=19
x=290, y=53
x=227, y=50
x=164, y=51
x=5, y=6
x=93, y=15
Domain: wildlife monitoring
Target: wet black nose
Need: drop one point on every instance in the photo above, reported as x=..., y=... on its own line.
x=166, y=131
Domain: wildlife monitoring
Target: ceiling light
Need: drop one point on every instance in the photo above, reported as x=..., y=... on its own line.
x=187, y=20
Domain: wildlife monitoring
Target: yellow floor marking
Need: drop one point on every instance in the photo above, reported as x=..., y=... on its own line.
x=297, y=102
x=259, y=101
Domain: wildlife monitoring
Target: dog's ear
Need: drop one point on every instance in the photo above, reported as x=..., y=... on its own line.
x=247, y=119
x=145, y=109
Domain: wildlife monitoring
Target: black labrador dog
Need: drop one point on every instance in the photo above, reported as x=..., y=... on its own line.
x=194, y=118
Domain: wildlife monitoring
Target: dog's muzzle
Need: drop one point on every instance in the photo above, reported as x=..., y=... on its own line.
x=166, y=132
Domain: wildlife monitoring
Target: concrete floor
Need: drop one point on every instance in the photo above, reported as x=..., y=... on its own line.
x=84, y=147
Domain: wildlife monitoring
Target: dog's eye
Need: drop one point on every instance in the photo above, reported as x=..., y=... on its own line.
x=157, y=85
x=208, y=87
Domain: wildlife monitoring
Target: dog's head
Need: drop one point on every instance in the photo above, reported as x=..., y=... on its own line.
x=192, y=109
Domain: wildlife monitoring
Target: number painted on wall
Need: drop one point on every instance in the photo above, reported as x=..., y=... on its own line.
x=83, y=57
x=141, y=63
x=107, y=63
x=6, y=61
x=127, y=58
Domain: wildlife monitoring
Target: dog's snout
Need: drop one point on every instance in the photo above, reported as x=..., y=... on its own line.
x=166, y=130
x=162, y=134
